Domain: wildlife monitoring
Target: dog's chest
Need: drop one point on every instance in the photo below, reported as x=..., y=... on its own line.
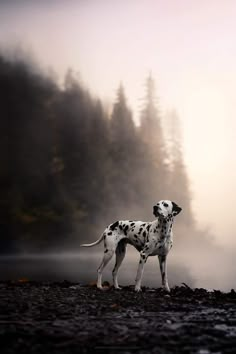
x=160, y=240
x=160, y=247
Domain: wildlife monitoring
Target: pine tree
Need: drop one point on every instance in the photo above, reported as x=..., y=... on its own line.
x=122, y=125
x=179, y=183
x=98, y=164
x=123, y=144
x=83, y=148
x=152, y=136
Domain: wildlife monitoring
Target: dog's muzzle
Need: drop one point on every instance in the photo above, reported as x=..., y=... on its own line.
x=158, y=212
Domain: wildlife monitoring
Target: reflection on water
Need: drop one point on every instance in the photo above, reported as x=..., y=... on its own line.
x=81, y=267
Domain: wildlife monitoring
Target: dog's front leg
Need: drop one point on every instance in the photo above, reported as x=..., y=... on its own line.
x=142, y=261
x=163, y=269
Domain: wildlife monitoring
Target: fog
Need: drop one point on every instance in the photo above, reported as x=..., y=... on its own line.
x=210, y=269
x=188, y=51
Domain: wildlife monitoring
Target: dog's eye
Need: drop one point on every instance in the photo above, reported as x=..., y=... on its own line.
x=165, y=205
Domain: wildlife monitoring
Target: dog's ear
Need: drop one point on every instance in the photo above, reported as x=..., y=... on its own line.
x=175, y=209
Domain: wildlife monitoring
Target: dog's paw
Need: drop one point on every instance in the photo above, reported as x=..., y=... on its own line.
x=166, y=289
x=137, y=290
x=117, y=288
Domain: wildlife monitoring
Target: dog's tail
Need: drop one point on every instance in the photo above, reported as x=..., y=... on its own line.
x=94, y=243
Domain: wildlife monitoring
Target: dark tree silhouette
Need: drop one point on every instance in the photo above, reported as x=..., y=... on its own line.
x=151, y=134
x=123, y=142
x=179, y=183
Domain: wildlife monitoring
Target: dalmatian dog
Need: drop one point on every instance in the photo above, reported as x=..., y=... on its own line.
x=153, y=238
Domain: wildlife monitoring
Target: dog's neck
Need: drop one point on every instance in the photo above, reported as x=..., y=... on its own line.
x=165, y=226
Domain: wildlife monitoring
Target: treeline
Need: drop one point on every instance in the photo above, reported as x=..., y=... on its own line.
x=68, y=167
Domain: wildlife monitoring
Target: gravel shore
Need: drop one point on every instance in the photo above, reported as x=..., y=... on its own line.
x=67, y=317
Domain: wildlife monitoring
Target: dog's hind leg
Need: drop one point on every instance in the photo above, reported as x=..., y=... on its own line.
x=120, y=255
x=106, y=258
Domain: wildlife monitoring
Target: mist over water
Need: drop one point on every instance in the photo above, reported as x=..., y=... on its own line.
x=193, y=267
x=81, y=267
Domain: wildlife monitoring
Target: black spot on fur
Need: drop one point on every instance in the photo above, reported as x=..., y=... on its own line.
x=132, y=224
x=126, y=229
x=148, y=227
x=120, y=227
x=121, y=247
x=109, y=233
x=114, y=225
x=140, y=230
x=135, y=236
x=106, y=251
x=144, y=233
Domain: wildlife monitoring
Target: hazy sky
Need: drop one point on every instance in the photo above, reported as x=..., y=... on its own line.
x=190, y=47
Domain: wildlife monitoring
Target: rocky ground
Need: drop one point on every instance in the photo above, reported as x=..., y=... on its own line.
x=72, y=318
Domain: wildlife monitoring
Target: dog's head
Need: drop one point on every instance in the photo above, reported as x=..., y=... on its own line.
x=166, y=208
